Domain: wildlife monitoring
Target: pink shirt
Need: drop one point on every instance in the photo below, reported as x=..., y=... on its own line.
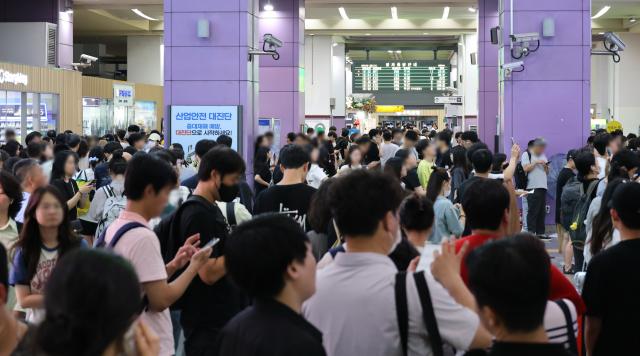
x=141, y=247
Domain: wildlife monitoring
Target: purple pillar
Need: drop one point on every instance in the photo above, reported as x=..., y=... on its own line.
x=488, y=71
x=551, y=98
x=282, y=81
x=213, y=70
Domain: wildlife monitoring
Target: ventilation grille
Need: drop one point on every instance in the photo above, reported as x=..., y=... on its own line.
x=52, y=45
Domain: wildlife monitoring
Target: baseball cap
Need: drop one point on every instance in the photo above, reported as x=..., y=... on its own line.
x=571, y=154
x=539, y=141
x=155, y=137
x=626, y=202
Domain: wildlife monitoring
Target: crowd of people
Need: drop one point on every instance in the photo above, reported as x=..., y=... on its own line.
x=393, y=242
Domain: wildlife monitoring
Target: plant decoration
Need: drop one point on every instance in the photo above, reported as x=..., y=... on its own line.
x=366, y=104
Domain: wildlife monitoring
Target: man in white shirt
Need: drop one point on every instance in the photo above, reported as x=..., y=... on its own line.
x=354, y=305
x=31, y=177
x=536, y=164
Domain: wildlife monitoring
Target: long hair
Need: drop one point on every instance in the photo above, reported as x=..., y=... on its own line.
x=460, y=160
x=436, y=180
x=60, y=160
x=602, y=228
x=30, y=240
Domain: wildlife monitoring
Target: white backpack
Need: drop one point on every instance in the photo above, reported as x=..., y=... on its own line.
x=113, y=205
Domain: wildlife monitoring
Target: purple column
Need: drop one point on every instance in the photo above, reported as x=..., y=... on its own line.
x=488, y=71
x=551, y=98
x=214, y=70
x=282, y=81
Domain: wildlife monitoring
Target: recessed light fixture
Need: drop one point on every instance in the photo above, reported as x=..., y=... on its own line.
x=367, y=34
x=398, y=52
x=445, y=13
x=601, y=33
x=268, y=6
x=394, y=12
x=141, y=14
x=389, y=51
x=425, y=33
x=601, y=12
x=633, y=20
x=343, y=13
x=472, y=9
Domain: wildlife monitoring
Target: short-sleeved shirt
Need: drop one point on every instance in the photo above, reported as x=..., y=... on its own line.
x=411, y=181
x=141, y=247
x=100, y=197
x=316, y=176
x=388, y=151
x=292, y=200
x=611, y=290
x=354, y=308
x=446, y=221
x=265, y=173
x=536, y=178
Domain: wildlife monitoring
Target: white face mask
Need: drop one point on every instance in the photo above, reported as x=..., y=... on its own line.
x=447, y=192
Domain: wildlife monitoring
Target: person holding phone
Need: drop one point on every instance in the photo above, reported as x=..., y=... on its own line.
x=64, y=168
x=536, y=165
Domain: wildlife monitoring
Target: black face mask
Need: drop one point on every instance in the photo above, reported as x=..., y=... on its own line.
x=228, y=192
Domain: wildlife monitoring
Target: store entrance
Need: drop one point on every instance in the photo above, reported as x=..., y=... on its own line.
x=18, y=113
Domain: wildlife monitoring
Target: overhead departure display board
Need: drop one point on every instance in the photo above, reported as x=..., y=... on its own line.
x=400, y=76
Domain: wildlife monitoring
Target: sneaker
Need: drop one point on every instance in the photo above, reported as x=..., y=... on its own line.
x=544, y=238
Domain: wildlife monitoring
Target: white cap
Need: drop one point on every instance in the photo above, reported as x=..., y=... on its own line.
x=155, y=137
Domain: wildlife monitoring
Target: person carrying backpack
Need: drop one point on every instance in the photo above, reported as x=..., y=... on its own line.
x=576, y=197
x=108, y=200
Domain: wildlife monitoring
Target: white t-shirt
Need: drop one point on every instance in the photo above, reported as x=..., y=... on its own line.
x=537, y=178
x=315, y=176
x=555, y=323
x=25, y=201
x=354, y=308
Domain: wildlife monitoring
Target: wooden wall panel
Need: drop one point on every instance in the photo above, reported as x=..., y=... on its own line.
x=66, y=83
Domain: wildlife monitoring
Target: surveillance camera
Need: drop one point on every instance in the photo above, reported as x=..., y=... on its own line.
x=613, y=42
x=525, y=37
x=272, y=41
x=513, y=65
x=88, y=58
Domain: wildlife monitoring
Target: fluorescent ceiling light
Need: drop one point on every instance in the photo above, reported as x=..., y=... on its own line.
x=389, y=51
x=472, y=9
x=445, y=13
x=394, y=12
x=601, y=12
x=343, y=13
x=425, y=33
x=367, y=34
x=141, y=14
x=268, y=7
x=398, y=51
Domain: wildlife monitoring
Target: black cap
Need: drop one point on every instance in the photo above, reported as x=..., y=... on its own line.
x=571, y=154
x=626, y=202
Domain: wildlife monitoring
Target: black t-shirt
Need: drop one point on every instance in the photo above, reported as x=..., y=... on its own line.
x=403, y=254
x=269, y=328
x=373, y=154
x=563, y=177
x=611, y=291
x=293, y=200
x=411, y=181
x=207, y=306
x=521, y=349
x=68, y=190
x=443, y=159
x=265, y=173
x=463, y=187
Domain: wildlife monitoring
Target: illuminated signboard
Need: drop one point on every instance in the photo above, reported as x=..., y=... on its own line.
x=123, y=95
x=13, y=78
x=190, y=124
x=400, y=76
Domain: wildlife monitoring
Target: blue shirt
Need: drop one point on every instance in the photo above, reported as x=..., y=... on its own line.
x=446, y=220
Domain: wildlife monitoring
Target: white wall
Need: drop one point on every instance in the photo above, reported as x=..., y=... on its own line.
x=318, y=62
x=470, y=75
x=626, y=84
x=602, y=86
x=24, y=43
x=145, y=59
x=338, y=84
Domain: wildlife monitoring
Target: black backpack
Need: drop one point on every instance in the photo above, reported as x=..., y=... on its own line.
x=574, y=206
x=520, y=176
x=166, y=230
